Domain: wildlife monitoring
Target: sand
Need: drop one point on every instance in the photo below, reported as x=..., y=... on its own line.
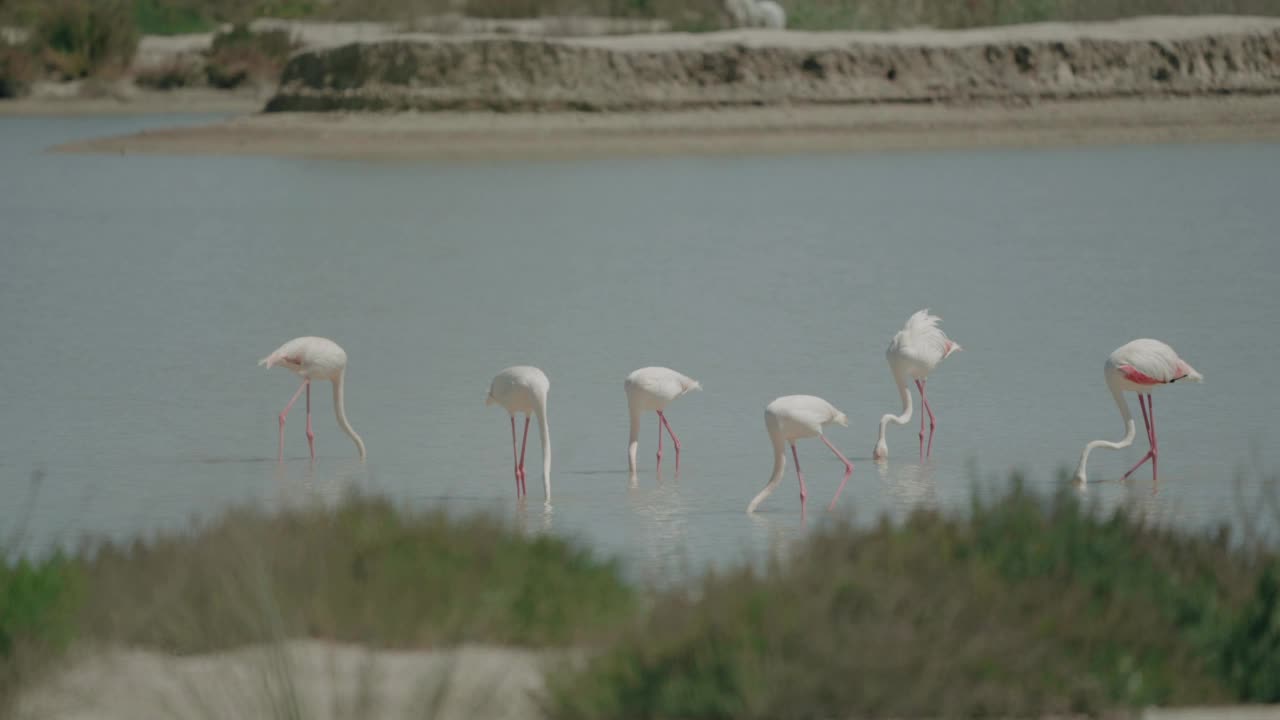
x=330, y=681
x=323, y=681
x=742, y=131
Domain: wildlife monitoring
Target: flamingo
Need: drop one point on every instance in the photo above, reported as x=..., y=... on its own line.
x=1139, y=366
x=915, y=351
x=651, y=388
x=788, y=419
x=314, y=358
x=523, y=389
x=769, y=14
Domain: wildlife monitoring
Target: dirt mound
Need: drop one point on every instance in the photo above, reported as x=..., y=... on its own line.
x=1150, y=57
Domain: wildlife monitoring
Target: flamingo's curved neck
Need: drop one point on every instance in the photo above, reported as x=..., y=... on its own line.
x=544, y=432
x=1130, y=430
x=902, y=419
x=779, y=466
x=339, y=409
x=634, y=442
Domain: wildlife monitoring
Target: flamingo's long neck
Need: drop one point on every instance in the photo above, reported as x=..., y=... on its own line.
x=903, y=419
x=1130, y=430
x=634, y=442
x=544, y=432
x=779, y=465
x=339, y=409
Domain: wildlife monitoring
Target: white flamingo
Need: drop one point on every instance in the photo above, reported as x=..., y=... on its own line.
x=523, y=389
x=652, y=388
x=914, y=352
x=1139, y=366
x=788, y=419
x=756, y=13
x=314, y=358
x=769, y=14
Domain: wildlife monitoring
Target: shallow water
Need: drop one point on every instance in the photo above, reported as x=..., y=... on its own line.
x=137, y=294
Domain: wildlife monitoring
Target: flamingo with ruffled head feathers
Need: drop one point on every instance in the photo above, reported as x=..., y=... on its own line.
x=788, y=419
x=314, y=358
x=1139, y=366
x=913, y=353
x=523, y=389
x=651, y=389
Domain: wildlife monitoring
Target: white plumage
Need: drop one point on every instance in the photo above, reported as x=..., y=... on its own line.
x=756, y=14
x=524, y=389
x=1139, y=366
x=314, y=358
x=769, y=14
x=650, y=389
x=790, y=418
x=913, y=353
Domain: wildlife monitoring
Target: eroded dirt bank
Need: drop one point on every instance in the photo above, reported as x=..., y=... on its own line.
x=1145, y=57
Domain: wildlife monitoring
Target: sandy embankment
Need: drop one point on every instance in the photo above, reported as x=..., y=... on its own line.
x=1146, y=57
x=327, y=681
x=322, y=680
x=1145, y=80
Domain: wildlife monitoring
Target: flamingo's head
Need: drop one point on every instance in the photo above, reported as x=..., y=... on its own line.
x=881, y=453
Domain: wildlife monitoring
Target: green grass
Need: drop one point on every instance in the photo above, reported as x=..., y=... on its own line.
x=39, y=602
x=1022, y=608
x=165, y=17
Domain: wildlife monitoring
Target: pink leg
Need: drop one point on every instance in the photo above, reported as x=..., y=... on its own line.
x=804, y=494
x=1151, y=454
x=920, y=388
x=924, y=400
x=524, y=443
x=311, y=436
x=848, y=470
x=674, y=440
x=515, y=455
x=1155, y=442
x=659, y=441
x=285, y=413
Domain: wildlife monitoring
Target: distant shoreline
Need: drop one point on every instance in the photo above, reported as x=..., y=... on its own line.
x=141, y=102
x=880, y=127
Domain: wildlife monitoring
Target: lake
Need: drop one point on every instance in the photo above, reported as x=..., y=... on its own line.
x=138, y=293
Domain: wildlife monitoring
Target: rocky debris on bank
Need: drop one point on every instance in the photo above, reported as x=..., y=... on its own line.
x=1142, y=57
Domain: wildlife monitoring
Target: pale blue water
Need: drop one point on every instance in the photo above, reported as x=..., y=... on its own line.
x=137, y=294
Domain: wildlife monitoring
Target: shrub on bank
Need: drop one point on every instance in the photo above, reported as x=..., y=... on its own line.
x=80, y=38
x=1024, y=608
x=241, y=55
x=366, y=572
x=17, y=70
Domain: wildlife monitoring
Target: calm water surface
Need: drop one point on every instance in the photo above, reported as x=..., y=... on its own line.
x=137, y=294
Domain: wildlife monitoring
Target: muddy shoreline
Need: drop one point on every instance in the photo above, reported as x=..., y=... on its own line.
x=746, y=131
